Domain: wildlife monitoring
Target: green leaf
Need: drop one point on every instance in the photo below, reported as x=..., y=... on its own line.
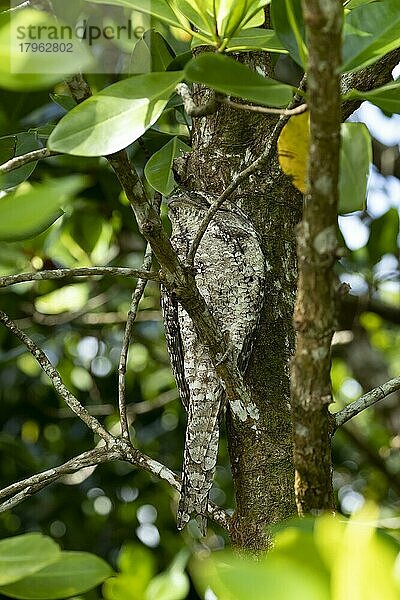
x=23, y=143
x=230, y=77
x=371, y=31
x=151, y=53
x=256, y=39
x=29, y=70
x=23, y=555
x=387, y=97
x=137, y=566
x=158, y=170
x=73, y=573
x=287, y=19
x=115, y=117
x=355, y=161
x=196, y=13
x=30, y=209
x=234, y=578
x=383, y=236
x=172, y=584
x=159, y=9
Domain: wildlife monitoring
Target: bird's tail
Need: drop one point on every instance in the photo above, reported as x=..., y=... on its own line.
x=199, y=461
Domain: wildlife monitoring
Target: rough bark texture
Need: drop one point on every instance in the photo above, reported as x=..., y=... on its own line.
x=317, y=247
x=261, y=457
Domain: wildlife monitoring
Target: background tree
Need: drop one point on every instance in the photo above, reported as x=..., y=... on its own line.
x=234, y=157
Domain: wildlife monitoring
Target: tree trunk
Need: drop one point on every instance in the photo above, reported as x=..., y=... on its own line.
x=262, y=464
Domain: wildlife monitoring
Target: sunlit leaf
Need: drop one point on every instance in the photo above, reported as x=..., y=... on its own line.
x=293, y=150
x=23, y=555
x=73, y=573
x=116, y=116
x=30, y=209
x=355, y=160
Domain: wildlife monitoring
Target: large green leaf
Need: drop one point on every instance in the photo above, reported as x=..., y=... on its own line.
x=287, y=19
x=355, y=161
x=30, y=209
x=371, y=31
x=21, y=67
x=115, y=117
x=383, y=236
x=158, y=170
x=23, y=555
x=22, y=143
x=386, y=97
x=74, y=573
x=231, y=77
x=256, y=39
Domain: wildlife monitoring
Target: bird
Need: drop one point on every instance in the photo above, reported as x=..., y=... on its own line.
x=229, y=270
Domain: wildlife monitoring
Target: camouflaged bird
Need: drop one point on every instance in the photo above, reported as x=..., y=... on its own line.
x=229, y=272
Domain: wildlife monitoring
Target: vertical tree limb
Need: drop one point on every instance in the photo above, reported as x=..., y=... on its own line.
x=316, y=249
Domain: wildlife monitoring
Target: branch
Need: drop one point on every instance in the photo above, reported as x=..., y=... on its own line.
x=19, y=491
x=81, y=272
x=137, y=458
x=24, y=159
x=191, y=108
x=365, y=401
x=136, y=297
x=314, y=317
x=264, y=158
x=56, y=380
x=266, y=110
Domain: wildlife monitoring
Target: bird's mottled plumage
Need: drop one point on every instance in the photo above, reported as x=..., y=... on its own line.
x=229, y=267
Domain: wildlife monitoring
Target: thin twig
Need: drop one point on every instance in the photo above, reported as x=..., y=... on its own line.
x=24, y=159
x=81, y=272
x=367, y=400
x=56, y=380
x=242, y=176
x=190, y=106
x=136, y=297
x=17, y=492
x=118, y=450
x=288, y=112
